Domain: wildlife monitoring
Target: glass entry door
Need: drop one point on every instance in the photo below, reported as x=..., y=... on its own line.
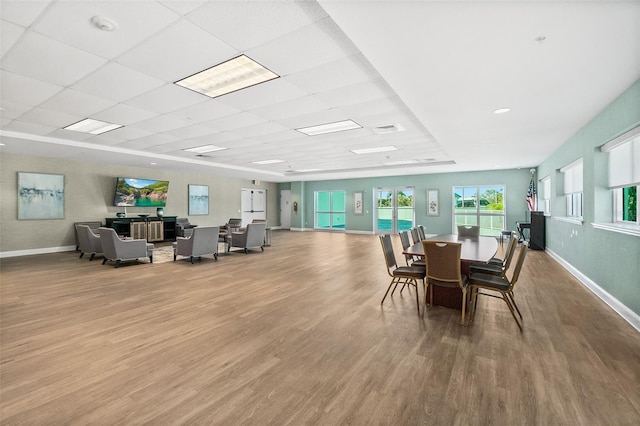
x=395, y=210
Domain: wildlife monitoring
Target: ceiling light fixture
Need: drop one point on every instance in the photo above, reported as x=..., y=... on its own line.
x=374, y=150
x=501, y=110
x=94, y=127
x=322, y=129
x=262, y=162
x=235, y=74
x=105, y=24
x=304, y=170
x=205, y=148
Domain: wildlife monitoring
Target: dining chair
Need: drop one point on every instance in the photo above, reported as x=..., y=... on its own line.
x=498, y=284
x=468, y=231
x=421, y=232
x=415, y=236
x=495, y=265
x=400, y=274
x=444, y=270
x=411, y=261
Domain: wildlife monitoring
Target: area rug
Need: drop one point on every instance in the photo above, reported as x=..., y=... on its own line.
x=163, y=254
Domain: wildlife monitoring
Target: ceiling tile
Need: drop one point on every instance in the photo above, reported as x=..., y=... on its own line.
x=193, y=50
x=161, y=123
x=166, y=99
x=206, y=111
x=70, y=22
x=9, y=35
x=78, y=103
x=260, y=130
x=342, y=72
x=49, y=60
x=117, y=82
x=24, y=90
x=32, y=128
x=121, y=135
x=11, y=110
x=291, y=108
x=263, y=21
x=263, y=94
x=192, y=131
x=235, y=121
x=123, y=114
x=22, y=12
x=51, y=118
x=306, y=48
x=183, y=7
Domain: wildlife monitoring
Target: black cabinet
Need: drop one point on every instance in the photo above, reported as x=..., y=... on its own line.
x=537, y=231
x=122, y=225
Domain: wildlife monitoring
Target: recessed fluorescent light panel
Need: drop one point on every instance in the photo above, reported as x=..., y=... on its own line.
x=94, y=127
x=502, y=110
x=322, y=129
x=306, y=170
x=204, y=148
x=230, y=76
x=374, y=150
x=268, y=162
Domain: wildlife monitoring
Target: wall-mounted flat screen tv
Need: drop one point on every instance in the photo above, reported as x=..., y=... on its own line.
x=131, y=192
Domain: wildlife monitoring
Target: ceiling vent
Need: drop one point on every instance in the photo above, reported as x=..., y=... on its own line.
x=389, y=128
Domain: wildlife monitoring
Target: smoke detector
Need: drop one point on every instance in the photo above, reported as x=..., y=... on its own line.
x=105, y=24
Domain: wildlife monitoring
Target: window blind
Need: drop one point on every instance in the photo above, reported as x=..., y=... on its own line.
x=572, y=177
x=624, y=164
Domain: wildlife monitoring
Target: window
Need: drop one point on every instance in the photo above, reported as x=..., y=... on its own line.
x=626, y=205
x=479, y=205
x=624, y=175
x=573, y=189
x=330, y=210
x=545, y=186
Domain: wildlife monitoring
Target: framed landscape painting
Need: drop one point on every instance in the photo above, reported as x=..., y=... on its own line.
x=40, y=196
x=198, y=199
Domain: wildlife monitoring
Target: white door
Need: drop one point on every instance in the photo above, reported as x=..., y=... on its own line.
x=285, y=209
x=253, y=205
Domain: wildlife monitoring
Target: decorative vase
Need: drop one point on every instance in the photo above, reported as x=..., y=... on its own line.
x=160, y=212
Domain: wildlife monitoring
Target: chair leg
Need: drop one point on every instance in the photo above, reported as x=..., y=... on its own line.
x=510, y=294
x=151, y=259
x=417, y=298
x=513, y=314
x=104, y=260
x=92, y=256
x=393, y=281
x=117, y=263
x=191, y=258
x=215, y=256
x=464, y=304
x=81, y=254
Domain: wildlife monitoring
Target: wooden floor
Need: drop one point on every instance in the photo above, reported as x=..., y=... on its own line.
x=296, y=335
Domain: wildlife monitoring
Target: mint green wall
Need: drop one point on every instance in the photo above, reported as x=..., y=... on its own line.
x=515, y=181
x=611, y=260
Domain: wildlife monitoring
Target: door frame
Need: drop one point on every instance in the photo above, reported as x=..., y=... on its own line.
x=394, y=207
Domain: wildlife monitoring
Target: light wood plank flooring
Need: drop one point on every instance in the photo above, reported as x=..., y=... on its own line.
x=296, y=335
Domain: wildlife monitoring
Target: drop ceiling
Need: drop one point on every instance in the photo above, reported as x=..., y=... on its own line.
x=432, y=70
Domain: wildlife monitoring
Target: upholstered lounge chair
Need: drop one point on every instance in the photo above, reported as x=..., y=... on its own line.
x=252, y=236
x=88, y=241
x=203, y=240
x=118, y=250
x=184, y=228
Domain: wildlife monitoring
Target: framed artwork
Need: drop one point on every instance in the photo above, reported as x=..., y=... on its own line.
x=433, y=203
x=198, y=199
x=40, y=196
x=358, y=202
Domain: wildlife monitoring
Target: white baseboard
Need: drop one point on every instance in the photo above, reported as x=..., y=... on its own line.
x=30, y=252
x=621, y=309
x=360, y=232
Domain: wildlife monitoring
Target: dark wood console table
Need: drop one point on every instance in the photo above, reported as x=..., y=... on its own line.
x=151, y=228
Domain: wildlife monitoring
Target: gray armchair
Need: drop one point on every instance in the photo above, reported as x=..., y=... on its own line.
x=252, y=236
x=203, y=240
x=118, y=250
x=88, y=241
x=183, y=227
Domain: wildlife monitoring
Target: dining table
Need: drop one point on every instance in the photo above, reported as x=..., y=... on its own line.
x=474, y=250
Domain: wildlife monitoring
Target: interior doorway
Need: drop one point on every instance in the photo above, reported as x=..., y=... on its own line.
x=285, y=209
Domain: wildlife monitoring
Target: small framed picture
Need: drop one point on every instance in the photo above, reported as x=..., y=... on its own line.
x=358, y=202
x=198, y=199
x=433, y=203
